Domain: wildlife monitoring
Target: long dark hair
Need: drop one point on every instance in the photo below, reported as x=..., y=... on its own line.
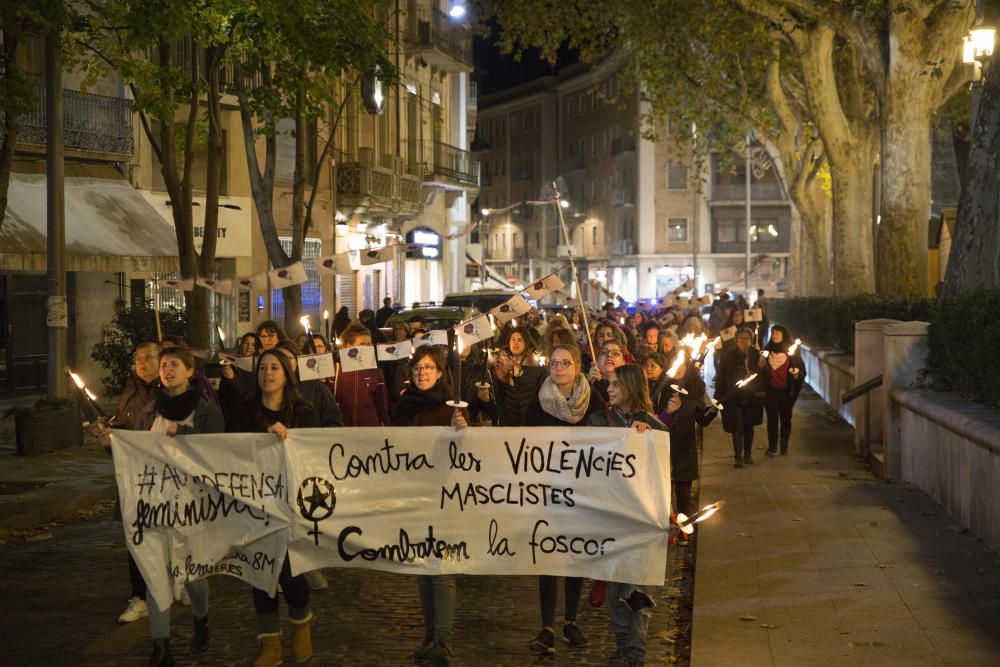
x=290, y=396
x=786, y=340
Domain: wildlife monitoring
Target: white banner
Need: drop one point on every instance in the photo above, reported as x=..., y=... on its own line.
x=513, y=307
x=394, y=351
x=293, y=274
x=590, y=502
x=199, y=505
x=540, y=288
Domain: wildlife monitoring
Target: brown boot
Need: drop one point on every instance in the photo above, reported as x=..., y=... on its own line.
x=270, y=651
x=302, y=646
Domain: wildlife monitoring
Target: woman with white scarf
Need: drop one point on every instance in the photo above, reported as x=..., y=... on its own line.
x=564, y=399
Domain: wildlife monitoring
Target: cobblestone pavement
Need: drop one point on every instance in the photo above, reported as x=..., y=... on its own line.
x=61, y=591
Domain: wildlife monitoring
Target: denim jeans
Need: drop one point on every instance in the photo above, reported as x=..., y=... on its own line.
x=159, y=621
x=437, y=600
x=628, y=627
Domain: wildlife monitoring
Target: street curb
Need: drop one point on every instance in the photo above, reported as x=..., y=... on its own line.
x=60, y=510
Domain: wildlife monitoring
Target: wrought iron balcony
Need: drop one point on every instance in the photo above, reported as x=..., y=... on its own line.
x=738, y=192
x=93, y=123
x=454, y=165
x=622, y=145
x=384, y=188
x=439, y=40
x=623, y=196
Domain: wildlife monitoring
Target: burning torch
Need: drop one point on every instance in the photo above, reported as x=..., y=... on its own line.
x=92, y=411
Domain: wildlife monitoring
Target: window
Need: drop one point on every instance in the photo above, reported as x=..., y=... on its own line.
x=593, y=100
x=583, y=102
x=524, y=121
x=677, y=177
x=677, y=230
x=538, y=119
x=311, y=293
x=593, y=145
x=593, y=235
x=570, y=106
x=538, y=239
x=730, y=231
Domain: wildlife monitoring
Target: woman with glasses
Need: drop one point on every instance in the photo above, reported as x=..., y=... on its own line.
x=563, y=399
x=611, y=356
x=630, y=606
x=424, y=403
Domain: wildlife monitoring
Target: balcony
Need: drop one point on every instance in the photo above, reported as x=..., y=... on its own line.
x=439, y=40
x=91, y=123
x=622, y=145
x=572, y=163
x=472, y=99
x=384, y=189
x=564, y=250
x=738, y=192
x=622, y=247
x=623, y=196
x=453, y=168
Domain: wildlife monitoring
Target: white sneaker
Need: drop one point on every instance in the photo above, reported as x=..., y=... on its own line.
x=316, y=580
x=185, y=598
x=135, y=610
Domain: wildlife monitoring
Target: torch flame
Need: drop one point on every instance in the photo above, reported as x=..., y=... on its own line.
x=686, y=523
x=621, y=321
x=794, y=347
x=326, y=314
x=304, y=321
x=78, y=380
x=745, y=381
x=222, y=334
x=90, y=394
x=461, y=346
x=678, y=362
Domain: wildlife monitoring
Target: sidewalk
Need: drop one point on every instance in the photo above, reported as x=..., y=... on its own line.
x=52, y=487
x=814, y=561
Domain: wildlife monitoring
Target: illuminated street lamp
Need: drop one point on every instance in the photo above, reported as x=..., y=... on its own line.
x=977, y=46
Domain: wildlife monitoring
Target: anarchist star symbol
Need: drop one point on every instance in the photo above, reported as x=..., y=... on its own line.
x=316, y=500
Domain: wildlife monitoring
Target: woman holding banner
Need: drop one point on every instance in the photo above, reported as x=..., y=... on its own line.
x=275, y=407
x=179, y=408
x=564, y=399
x=424, y=403
x=630, y=605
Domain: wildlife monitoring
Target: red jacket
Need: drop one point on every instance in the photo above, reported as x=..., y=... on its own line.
x=363, y=398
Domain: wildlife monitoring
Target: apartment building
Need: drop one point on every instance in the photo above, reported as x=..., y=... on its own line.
x=404, y=174
x=637, y=220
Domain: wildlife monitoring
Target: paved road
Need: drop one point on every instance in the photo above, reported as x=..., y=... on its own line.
x=61, y=593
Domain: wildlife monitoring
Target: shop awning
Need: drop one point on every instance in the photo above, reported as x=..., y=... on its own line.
x=109, y=226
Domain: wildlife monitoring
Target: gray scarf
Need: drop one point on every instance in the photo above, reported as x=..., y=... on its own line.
x=572, y=409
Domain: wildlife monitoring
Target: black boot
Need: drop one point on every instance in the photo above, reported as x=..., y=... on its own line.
x=199, y=640
x=784, y=446
x=161, y=656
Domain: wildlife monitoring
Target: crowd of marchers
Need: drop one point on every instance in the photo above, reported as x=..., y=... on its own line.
x=632, y=367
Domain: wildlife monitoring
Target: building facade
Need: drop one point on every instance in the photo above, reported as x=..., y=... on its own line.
x=639, y=219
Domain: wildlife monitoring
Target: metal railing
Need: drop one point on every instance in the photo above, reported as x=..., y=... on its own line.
x=434, y=29
x=96, y=123
x=864, y=389
x=738, y=192
x=455, y=163
x=472, y=100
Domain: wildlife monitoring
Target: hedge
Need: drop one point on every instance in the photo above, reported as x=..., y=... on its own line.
x=829, y=322
x=963, y=338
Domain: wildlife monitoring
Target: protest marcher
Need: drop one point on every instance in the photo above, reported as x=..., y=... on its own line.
x=340, y=320
x=630, y=605
x=275, y=407
x=367, y=318
x=383, y=313
x=679, y=414
x=611, y=356
x=742, y=407
x=607, y=330
x=518, y=376
x=563, y=399
x=269, y=334
x=785, y=375
x=477, y=385
x=249, y=344
x=179, y=408
x=137, y=394
x=314, y=392
x=693, y=324
x=669, y=346
x=424, y=404
x=655, y=368
x=361, y=395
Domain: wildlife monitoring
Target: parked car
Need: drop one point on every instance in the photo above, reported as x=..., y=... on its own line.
x=483, y=300
x=434, y=317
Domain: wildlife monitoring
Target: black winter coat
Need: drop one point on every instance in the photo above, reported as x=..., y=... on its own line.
x=749, y=399
x=683, y=435
x=513, y=399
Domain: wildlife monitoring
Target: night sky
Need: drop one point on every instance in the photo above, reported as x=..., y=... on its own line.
x=495, y=71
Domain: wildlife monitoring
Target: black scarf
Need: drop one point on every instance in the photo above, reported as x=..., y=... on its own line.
x=176, y=408
x=415, y=401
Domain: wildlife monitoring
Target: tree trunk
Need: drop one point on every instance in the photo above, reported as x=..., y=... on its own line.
x=975, y=249
x=852, y=224
x=906, y=190
x=814, y=229
x=292, y=296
